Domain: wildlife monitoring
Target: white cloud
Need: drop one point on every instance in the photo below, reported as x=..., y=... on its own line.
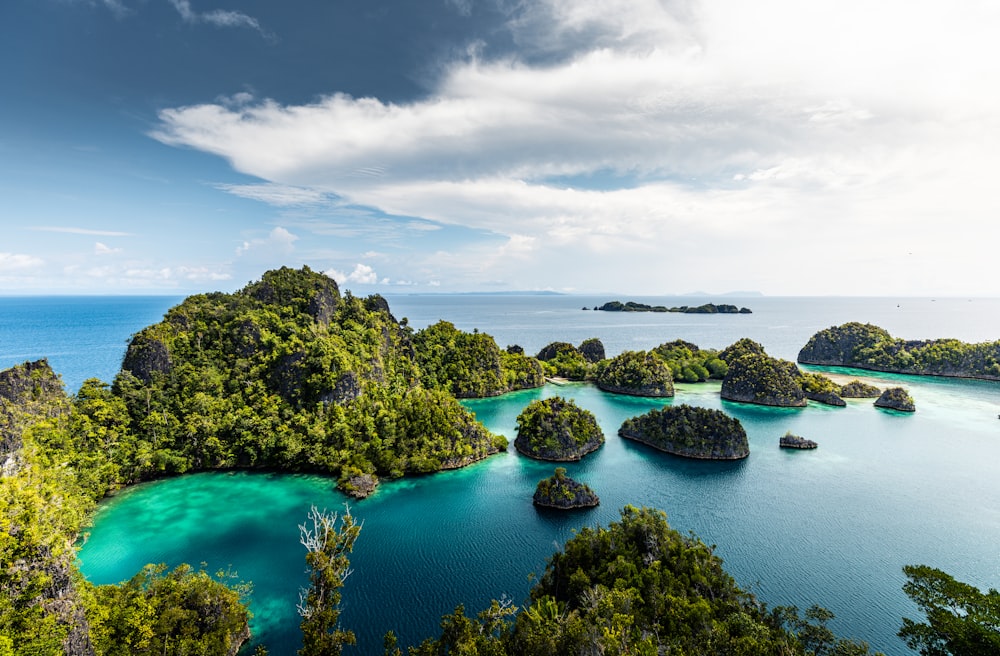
x=362, y=274
x=217, y=17
x=277, y=194
x=279, y=240
x=749, y=130
x=19, y=262
x=82, y=231
x=103, y=249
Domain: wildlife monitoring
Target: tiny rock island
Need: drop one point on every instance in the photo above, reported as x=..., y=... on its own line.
x=563, y=493
x=790, y=441
x=896, y=398
x=690, y=432
x=557, y=429
x=857, y=389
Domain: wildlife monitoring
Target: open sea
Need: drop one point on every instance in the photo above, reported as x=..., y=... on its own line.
x=832, y=526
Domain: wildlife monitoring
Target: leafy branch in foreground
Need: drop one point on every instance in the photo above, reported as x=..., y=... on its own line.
x=327, y=546
x=961, y=619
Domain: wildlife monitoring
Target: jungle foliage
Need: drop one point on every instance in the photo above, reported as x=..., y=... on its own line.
x=689, y=431
x=557, y=429
x=636, y=372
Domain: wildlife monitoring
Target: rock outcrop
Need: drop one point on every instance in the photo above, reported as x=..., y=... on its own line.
x=592, y=350
x=896, y=398
x=789, y=441
x=563, y=493
x=690, y=432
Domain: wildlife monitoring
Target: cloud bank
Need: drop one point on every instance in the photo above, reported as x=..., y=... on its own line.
x=668, y=138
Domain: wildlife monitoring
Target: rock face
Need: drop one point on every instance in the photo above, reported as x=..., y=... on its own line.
x=563, y=493
x=636, y=373
x=145, y=356
x=858, y=390
x=864, y=346
x=21, y=389
x=592, y=350
x=896, y=398
x=761, y=379
x=828, y=398
x=557, y=429
x=789, y=441
x=690, y=432
x=359, y=485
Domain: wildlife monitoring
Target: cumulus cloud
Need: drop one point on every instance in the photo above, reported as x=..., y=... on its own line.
x=362, y=274
x=103, y=249
x=279, y=240
x=694, y=122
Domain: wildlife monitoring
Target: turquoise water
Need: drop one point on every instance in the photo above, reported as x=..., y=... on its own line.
x=832, y=526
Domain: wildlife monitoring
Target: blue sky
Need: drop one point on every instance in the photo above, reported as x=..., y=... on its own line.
x=636, y=147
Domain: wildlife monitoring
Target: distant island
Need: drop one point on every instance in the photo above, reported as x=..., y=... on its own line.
x=707, y=308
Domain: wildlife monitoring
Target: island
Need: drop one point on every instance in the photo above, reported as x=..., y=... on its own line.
x=706, y=308
x=557, y=429
x=755, y=377
x=821, y=389
x=896, y=398
x=689, y=431
x=857, y=389
x=866, y=346
x=790, y=441
x=563, y=493
x=636, y=373
x=563, y=360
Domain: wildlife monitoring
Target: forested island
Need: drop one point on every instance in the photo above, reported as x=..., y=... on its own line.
x=290, y=374
x=706, y=308
x=689, y=431
x=557, y=429
x=865, y=346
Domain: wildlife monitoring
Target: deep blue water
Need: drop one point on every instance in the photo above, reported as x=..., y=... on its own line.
x=832, y=526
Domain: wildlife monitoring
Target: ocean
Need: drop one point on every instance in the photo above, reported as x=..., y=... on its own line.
x=832, y=526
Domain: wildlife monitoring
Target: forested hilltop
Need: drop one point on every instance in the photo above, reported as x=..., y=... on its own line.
x=865, y=346
x=289, y=373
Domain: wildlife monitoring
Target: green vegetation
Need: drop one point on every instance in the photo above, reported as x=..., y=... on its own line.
x=564, y=360
x=689, y=364
x=557, y=429
x=471, y=365
x=689, y=431
x=865, y=346
x=561, y=491
x=158, y=612
x=289, y=374
x=961, y=619
x=638, y=587
x=327, y=546
x=818, y=387
x=637, y=373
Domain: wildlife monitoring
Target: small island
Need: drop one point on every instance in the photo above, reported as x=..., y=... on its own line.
x=557, y=429
x=755, y=377
x=707, y=308
x=563, y=493
x=636, y=373
x=790, y=441
x=821, y=389
x=859, y=390
x=896, y=398
x=690, y=432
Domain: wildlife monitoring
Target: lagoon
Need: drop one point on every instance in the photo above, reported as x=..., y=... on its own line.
x=832, y=526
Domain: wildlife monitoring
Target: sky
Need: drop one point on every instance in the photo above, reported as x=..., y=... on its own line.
x=645, y=147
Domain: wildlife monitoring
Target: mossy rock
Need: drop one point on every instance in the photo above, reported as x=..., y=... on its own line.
x=563, y=493
x=896, y=398
x=690, y=432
